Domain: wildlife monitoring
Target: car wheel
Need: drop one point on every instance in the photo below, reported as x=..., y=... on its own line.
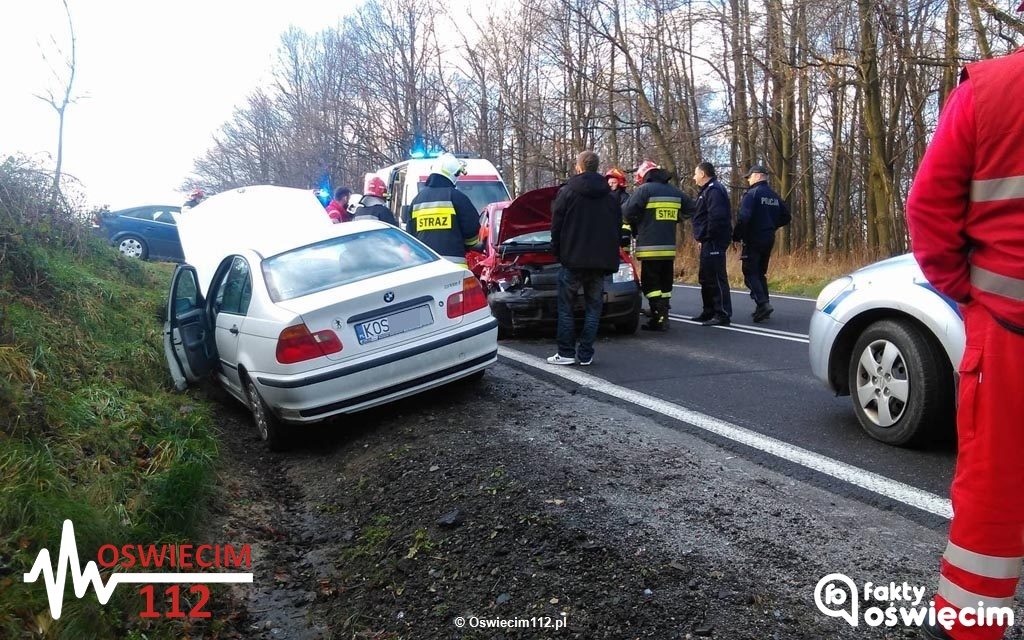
x=630, y=326
x=268, y=426
x=900, y=383
x=133, y=247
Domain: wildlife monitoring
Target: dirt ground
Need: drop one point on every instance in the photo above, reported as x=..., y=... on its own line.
x=513, y=498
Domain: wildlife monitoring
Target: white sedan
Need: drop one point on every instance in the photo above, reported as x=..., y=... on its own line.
x=301, y=319
x=886, y=337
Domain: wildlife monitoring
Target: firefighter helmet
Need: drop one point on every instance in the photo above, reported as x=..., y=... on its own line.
x=448, y=166
x=617, y=175
x=375, y=187
x=644, y=168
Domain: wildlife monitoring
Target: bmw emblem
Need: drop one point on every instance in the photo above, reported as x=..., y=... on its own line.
x=389, y=296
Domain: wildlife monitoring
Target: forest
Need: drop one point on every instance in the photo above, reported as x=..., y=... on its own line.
x=837, y=99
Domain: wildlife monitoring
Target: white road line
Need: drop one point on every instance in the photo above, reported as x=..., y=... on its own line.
x=745, y=293
x=754, y=331
x=887, y=487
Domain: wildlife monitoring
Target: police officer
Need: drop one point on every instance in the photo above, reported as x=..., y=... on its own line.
x=762, y=211
x=442, y=217
x=712, y=229
x=654, y=210
x=372, y=206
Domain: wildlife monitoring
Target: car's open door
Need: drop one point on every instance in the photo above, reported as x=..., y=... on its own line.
x=189, y=343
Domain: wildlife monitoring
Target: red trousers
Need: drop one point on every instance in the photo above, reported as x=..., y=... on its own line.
x=982, y=561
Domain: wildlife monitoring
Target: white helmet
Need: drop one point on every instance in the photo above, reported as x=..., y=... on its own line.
x=448, y=166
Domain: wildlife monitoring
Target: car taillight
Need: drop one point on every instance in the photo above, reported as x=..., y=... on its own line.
x=296, y=344
x=471, y=298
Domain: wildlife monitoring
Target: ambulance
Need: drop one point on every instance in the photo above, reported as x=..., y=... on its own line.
x=482, y=183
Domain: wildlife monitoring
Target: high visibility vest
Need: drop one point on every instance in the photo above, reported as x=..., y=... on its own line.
x=995, y=215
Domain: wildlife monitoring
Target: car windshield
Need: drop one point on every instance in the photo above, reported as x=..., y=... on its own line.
x=340, y=261
x=537, y=237
x=482, y=193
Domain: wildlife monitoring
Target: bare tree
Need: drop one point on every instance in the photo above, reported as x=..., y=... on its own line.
x=59, y=100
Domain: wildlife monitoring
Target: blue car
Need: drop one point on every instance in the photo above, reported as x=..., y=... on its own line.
x=147, y=233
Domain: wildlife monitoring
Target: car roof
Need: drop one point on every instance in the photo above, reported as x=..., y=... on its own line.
x=265, y=219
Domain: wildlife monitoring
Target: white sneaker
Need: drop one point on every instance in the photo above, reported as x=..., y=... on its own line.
x=587, y=363
x=560, y=359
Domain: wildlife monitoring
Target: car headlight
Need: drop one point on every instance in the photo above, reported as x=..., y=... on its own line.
x=832, y=291
x=624, y=274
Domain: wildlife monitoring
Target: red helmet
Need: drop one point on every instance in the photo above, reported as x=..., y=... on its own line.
x=644, y=168
x=616, y=174
x=197, y=194
x=375, y=187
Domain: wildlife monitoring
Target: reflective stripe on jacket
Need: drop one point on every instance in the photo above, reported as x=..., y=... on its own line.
x=444, y=219
x=655, y=208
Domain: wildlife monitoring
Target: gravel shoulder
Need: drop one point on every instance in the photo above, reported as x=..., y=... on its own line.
x=513, y=498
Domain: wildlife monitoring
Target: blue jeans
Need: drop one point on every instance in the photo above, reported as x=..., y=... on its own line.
x=569, y=282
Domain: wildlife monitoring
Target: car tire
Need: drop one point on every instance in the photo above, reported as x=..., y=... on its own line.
x=894, y=397
x=629, y=327
x=132, y=246
x=268, y=427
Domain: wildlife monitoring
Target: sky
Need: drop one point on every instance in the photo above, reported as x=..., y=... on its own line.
x=155, y=80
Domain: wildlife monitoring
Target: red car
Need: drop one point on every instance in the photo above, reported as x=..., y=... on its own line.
x=520, y=274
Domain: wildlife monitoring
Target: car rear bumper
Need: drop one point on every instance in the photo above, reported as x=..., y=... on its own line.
x=822, y=336
x=354, y=386
x=528, y=308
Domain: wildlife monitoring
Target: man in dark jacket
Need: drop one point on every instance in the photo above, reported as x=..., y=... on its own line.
x=442, y=217
x=654, y=210
x=585, y=223
x=762, y=211
x=712, y=229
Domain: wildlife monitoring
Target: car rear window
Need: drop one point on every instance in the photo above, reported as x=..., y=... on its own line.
x=340, y=261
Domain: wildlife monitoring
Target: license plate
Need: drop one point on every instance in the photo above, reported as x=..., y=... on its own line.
x=394, y=324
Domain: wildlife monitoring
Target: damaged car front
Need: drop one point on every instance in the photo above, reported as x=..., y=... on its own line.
x=520, y=273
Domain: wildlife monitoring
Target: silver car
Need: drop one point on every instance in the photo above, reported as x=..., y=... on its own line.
x=301, y=319
x=886, y=337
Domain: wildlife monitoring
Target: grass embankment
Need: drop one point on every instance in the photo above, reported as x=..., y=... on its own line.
x=798, y=274
x=89, y=428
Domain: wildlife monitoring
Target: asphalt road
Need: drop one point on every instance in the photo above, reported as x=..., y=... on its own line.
x=757, y=376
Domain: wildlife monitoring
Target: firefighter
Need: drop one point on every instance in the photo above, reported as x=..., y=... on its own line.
x=965, y=213
x=373, y=206
x=617, y=183
x=442, y=217
x=654, y=210
x=194, y=199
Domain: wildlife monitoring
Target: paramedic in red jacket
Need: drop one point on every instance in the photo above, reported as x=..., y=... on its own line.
x=966, y=219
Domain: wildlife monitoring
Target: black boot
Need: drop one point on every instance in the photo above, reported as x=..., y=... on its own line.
x=659, y=316
x=763, y=312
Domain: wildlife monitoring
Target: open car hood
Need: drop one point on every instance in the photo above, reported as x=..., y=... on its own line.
x=265, y=219
x=529, y=213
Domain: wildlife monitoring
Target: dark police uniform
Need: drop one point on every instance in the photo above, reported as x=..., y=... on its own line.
x=444, y=219
x=762, y=211
x=654, y=210
x=712, y=227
